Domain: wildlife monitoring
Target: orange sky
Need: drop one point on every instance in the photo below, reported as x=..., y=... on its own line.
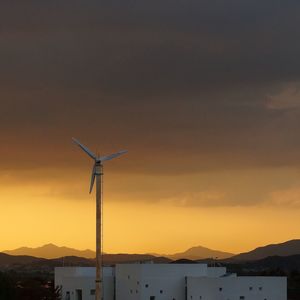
x=205, y=96
x=38, y=213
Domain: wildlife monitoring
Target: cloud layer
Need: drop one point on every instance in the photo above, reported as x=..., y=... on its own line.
x=189, y=87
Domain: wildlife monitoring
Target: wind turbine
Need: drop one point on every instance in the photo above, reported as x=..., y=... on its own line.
x=97, y=173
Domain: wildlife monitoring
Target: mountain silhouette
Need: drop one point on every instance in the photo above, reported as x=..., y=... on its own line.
x=284, y=255
x=199, y=252
x=59, y=255
x=8, y=260
x=30, y=263
x=51, y=251
x=283, y=249
x=286, y=263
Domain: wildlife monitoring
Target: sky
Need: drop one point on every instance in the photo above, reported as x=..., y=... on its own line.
x=205, y=96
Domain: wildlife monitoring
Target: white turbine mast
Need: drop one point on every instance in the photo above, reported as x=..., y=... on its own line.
x=97, y=173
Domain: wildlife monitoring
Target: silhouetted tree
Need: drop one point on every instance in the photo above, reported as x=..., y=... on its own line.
x=7, y=291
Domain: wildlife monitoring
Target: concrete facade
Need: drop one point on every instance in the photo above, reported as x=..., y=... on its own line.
x=237, y=288
x=168, y=282
x=164, y=281
x=79, y=283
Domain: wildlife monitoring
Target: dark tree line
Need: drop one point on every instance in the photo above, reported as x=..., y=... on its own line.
x=15, y=286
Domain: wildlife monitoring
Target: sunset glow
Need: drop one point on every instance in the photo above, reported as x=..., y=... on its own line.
x=205, y=98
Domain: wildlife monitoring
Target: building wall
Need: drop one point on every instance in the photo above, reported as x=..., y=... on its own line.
x=163, y=281
x=216, y=271
x=237, y=288
x=169, y=282
x=72, y=279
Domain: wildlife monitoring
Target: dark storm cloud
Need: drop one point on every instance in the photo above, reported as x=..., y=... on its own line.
x=183, y=84
x=137, y=46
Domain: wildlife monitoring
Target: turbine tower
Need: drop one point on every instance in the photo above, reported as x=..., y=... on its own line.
x=97, y=173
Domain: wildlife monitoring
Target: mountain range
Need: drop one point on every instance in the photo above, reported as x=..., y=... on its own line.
x=199, y=252
x=283, y=249
x=51, y=251
x=31, y=263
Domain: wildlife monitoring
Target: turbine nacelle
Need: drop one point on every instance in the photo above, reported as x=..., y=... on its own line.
x=98, y=160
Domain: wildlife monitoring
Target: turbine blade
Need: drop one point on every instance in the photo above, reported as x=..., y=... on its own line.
x=93, y=178
x=111, y=156
x=84, y=148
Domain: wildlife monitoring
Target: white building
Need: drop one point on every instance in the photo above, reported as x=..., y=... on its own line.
x=168, y=282
x=237, y=288
x=78, y=283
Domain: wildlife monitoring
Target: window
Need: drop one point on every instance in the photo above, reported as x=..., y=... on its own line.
x=146, y=285
x=128, y=276
x=260, y=288
x=250, y=288
x=242, y=297
x=152, y=297
x=220, y=289
x=92, y=292
x=130, y=291
x=161, y=291
x=137, y=282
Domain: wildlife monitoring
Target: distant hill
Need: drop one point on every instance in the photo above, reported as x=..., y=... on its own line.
x=200, y=252
x=285, y=263
x=184, y=261
x=283, y=249
x=110, y=259
x=269, y=266
x=51, y=251
x=30, y=263
x=9, y=260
